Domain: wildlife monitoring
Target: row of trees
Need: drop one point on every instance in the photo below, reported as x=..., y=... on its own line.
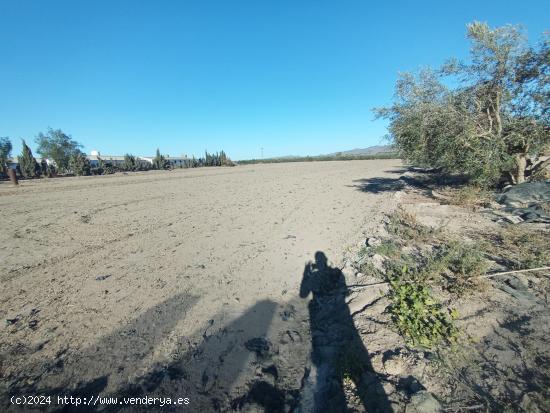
x=487, y=118
x=54, y=145
x=68, y=158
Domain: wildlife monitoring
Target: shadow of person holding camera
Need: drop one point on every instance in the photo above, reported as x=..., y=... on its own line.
x=337, y=349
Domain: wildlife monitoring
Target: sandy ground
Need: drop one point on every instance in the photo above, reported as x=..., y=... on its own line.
x=162, y=280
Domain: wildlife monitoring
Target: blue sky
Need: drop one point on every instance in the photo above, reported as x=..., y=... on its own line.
x=293, y=77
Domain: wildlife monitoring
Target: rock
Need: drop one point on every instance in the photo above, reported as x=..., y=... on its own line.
x=516, y=283
x=528, y=403
x=513, y=219
x=359, y=275
x=423, y=402
x=377, y=363
x=439, y=196
x=373, y=242
x=520, y=295
x=377, y=262
x=348, y=270
x=394, y=366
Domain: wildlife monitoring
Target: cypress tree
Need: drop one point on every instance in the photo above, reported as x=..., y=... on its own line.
x=29, y=166
x=129, y=163
x=159, y=162
x=79, y=164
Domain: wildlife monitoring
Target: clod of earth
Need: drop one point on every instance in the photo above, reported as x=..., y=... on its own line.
x=258, y=345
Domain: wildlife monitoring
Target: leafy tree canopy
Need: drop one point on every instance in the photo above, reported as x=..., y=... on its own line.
x=493, y=122
x=5, y=151
x=57, y=145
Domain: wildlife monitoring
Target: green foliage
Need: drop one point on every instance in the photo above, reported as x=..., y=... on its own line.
x=5, y=152
x=487, y=126
x=417, y=315
x=463, y=259
x=130, y=163
x=56, y=145
x=387, y=248
x=107, y=168
x=79, y=164
x=459, y=263
x=44, y=167
x=159, y=161
x=215, y=159
x=28, y=165
x=454, y=264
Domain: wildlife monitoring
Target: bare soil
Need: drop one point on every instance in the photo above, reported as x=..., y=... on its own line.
x=182, y=283
x=238, y=288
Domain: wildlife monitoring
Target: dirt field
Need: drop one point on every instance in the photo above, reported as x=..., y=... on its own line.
x=182, y=283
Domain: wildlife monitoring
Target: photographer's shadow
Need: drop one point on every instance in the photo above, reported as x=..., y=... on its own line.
x=337, y=349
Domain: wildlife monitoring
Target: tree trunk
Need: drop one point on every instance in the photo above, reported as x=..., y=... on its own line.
x=521, y=164
x=498, y=119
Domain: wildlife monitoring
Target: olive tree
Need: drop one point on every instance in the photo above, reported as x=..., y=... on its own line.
x=492, y=123
x=27, y=163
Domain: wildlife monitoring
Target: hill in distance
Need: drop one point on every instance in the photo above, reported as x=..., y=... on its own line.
x=371, y=150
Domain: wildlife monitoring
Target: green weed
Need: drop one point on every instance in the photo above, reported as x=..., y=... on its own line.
x=417, y=315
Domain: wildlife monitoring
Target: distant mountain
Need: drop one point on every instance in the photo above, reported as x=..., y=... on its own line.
x=379, y=150
x=371, y=150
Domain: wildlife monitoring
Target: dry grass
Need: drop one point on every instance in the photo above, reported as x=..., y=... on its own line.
x=519, y=246
x=467, y=196
x=404, y=225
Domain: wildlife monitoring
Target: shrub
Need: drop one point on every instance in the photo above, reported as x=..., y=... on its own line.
x=130, y=163
x=417, y=315
x=27, y=163
x=79, y=164
x=462, y=264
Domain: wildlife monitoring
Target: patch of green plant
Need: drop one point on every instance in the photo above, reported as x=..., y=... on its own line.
x=465, y=259
x=417, y=315
x=387, y=248
x=370, y=269
x=460, y=263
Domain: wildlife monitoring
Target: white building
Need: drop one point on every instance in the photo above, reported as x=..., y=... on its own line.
x=116, y=160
